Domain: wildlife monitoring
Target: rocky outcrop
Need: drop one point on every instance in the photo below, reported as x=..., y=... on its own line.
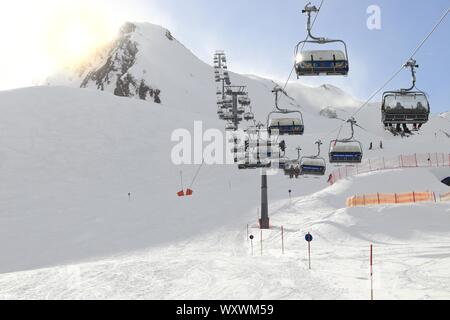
x=329, y=113
x=115, y=72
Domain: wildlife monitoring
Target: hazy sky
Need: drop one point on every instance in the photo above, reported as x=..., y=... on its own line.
x=259, y=37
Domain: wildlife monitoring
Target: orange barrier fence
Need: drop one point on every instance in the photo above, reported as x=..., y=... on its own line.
x=445, y=197
x=425, y=160
x=396, y=198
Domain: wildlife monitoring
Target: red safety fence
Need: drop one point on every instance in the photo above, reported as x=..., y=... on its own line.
x=425, y=160
x=394, y=198
x=445, y=197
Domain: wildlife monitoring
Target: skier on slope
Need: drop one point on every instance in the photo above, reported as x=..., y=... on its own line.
x=330, y=179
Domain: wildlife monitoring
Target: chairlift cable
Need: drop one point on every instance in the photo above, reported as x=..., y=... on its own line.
x=197, y=173
x=365, y=104
x=419, y=47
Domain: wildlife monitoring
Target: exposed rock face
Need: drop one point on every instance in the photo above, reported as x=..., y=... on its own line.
x=116, y=70
x=329, y=113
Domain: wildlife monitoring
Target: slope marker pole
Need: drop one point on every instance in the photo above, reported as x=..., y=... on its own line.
x=261, y=243
x=371, y=273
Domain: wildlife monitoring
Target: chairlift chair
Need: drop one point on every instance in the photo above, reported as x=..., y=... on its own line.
x=228, y=115
x=245, y=101
x=248, y=163
x=282, y=162
x=346, y=151
x=314, y=165
x=292, y=169
x=251, y=166
x=286, y=126
x=291, y=126
x=249, y=116
x=230, y=127
x=320, y=62
x=406, y=106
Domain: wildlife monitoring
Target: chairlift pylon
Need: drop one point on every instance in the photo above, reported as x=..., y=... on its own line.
x=320, y=62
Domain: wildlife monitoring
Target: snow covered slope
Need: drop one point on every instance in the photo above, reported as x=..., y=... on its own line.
x=69, y=159
x=70, y=156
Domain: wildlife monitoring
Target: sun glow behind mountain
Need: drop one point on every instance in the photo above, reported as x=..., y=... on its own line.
x=75, y=31
x=40, y=37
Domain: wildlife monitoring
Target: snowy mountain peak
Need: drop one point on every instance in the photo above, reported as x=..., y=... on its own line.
x=119, y=67
x=115, y=73
x=127, y=28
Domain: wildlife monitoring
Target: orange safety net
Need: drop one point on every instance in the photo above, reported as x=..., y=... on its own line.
x=445, y=197
x=424, y=160
x=384, y=198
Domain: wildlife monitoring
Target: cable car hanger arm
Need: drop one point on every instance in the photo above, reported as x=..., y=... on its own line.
x=412, y=64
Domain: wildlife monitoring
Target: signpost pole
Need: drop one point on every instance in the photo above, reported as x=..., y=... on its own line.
x=261, y=243
x=309, y=239
x=309, y=253
x=371, y=273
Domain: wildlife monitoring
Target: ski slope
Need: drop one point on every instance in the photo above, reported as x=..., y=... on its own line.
x=70, y=156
